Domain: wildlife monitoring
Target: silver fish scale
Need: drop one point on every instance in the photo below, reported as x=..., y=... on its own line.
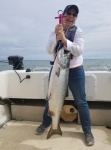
x=63, y=59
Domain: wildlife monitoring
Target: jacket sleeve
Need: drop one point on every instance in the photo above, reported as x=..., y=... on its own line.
x=76, y=47
x=50, y=47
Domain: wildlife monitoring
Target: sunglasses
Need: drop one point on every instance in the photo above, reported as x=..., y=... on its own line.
x=73, y=14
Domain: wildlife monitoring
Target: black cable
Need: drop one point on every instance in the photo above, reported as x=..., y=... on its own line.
x=21, y=80
x=18, y=75
x=17, y=72
x=27, y=77
x=18, y=65
x=2, y=61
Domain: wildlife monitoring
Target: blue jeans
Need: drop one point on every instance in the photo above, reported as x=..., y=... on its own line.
x=76, y=84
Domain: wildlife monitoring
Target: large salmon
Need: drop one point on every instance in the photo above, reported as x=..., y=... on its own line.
x=57, y=90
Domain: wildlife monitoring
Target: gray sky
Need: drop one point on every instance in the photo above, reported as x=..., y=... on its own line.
x=25, y=26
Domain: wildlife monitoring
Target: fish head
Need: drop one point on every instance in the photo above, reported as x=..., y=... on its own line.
x=63, y=58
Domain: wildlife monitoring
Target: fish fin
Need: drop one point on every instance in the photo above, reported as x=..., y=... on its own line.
x=58, y=72
x=48, y=96
x=51, y=113
x=54, y=131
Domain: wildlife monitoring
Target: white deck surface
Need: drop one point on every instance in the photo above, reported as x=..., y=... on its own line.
x=20, y=135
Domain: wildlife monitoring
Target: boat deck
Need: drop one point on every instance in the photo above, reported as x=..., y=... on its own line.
x=20, y=135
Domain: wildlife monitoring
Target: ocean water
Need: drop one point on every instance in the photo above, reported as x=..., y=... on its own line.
x=89, y=64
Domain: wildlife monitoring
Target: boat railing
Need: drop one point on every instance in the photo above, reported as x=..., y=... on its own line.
x=41, y=69
x=98, y=68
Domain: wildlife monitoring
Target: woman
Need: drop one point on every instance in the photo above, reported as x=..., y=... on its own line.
x=72, y=40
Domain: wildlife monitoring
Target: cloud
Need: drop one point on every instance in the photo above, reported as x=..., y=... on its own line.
x=25, y=26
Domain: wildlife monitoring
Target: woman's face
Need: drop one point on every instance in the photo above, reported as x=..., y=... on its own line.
x=70, y=19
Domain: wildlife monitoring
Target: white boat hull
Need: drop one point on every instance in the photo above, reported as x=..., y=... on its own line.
x=98, y=85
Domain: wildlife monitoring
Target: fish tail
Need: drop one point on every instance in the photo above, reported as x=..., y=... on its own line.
x=54, y=131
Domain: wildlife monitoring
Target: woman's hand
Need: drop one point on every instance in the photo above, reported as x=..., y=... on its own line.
x=60, y=34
